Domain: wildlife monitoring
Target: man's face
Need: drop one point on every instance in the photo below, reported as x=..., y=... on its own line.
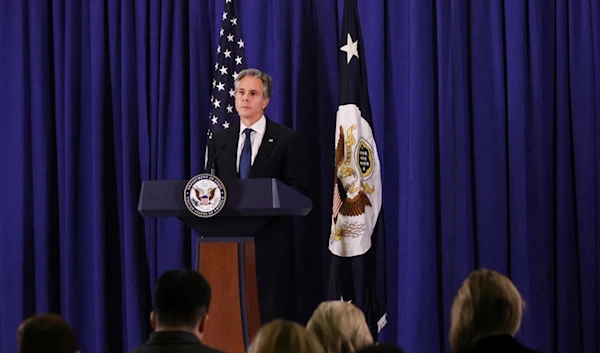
x=250, y=102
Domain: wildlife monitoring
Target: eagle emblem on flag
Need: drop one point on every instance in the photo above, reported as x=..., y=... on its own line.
x=351, y=193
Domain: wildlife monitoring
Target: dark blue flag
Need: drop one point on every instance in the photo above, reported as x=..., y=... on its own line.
x=357, y=239
x=230, y=61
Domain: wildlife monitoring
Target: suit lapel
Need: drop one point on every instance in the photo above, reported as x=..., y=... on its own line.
x=230, y=152
x=269, y=140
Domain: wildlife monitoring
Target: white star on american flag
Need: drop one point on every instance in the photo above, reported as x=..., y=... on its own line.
x=221, y=86
x=224, y=15
x=241, y=43
x=223, y=70
x=217, y=103
x=229, y=108
x=221, y=32
x=215, y=120
x=238, y=60
x=227, y=53
x=230, y=38
x=234, y=74
x=219, y=49
x=232, y=92
x=226, y=125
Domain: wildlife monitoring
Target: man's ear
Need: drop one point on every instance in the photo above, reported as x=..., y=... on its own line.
x=153, y=320
x=266, y=103
x=202, y=324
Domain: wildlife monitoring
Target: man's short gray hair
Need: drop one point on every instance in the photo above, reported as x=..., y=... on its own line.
x=267, y=81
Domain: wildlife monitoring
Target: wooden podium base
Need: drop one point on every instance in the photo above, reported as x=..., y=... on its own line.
x=230, y=268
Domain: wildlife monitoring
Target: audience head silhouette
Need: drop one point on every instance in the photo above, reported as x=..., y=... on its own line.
x=48, y=333
x=181, y=302
x=487, y=304
x=282, y=336
x=340, y=326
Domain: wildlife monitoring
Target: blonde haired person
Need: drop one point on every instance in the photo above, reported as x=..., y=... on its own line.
x=486, y=314
x=340, y=326
x=283, y=336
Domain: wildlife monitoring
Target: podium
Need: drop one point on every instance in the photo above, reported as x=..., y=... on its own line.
x=226, y=247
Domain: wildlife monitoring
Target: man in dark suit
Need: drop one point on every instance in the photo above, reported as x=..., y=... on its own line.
x=257, y=147
x=180, y=314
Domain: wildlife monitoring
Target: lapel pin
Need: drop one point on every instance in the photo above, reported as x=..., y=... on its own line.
x=270, y=140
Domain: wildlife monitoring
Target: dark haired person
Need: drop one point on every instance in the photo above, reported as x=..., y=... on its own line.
x=180, y=314
x=48, y=333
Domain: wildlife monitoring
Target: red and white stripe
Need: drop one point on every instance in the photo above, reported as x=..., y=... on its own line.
x=337, y=201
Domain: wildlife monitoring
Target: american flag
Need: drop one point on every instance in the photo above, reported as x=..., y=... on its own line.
x=230, y=61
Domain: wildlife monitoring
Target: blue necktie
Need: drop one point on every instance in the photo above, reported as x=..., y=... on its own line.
x=246, y=157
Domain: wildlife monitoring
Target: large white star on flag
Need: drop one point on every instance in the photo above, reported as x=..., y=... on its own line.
x=227, y=53
x=351, y=49
x=217, y=103
x=230, y=38
x=221, y=86
x=229, y=108
x=226, y=125
x=215, y=119
x=224, y=15
x=232, y=92
x=223, y=70
x=238, y=60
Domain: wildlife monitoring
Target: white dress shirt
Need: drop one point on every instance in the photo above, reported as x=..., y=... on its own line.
x=255, y=138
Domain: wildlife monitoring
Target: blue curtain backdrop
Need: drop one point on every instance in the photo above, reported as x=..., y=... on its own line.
x=487, y=114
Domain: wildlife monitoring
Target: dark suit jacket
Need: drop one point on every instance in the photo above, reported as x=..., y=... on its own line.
x=173, y=342
x=281, y=156
x=499, y=344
